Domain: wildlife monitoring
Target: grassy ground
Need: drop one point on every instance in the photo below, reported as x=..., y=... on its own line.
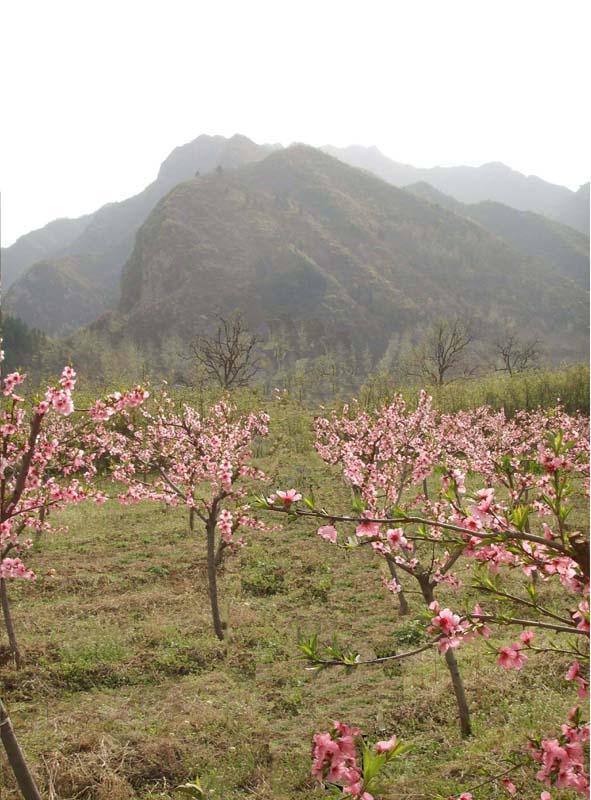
x=526, y=390
x=127, y=693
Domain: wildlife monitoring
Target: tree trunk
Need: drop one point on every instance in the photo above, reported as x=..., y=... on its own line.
x=212, y=579
x=191, y=519
x=219, y=555
x=452, y=665
x=425, y=488
x=403, y=602
x=18, y=660
x=456, y=679
x=43, y=512
x=16, y=758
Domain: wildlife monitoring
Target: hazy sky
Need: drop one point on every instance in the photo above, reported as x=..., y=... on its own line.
x=96, y=94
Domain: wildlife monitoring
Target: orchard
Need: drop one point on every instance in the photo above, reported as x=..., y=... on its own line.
x=473, y=517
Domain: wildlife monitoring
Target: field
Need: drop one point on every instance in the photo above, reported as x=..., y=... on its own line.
x=126, y=692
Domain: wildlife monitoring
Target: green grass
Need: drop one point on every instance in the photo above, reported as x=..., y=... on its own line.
x=126, y=692
x=527, y=390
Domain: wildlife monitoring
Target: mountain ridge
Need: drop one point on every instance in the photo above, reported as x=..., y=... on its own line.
x=88, y=265
x=491, y=181
x=329, y=257
x=106, y=239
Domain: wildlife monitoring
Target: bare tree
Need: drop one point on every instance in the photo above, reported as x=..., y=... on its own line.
x=229, y=356
x=442, y=352
x=516, y=355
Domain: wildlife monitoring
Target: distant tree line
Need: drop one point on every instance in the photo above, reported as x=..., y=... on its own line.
x=23, y=346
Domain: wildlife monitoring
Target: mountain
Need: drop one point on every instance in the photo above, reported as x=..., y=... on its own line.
x=433, y=195
x=86, y=259
x=563, y=248
x=37, y=245
x=495, y=182
x=330, y=259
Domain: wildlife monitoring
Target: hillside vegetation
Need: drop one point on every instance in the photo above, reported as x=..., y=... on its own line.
x=334, y=260
x=563, y=248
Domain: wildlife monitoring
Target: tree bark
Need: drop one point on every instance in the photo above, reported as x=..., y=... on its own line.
x=18, y=660
x=219, y=555
x=16, y=758
x=456, y=679
x=212, y=578
x=452, y=665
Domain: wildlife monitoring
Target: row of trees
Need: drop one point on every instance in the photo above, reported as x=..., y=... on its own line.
x=430, y=493
x=231, y=356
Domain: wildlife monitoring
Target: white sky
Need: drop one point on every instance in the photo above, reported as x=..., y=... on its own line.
x=95, y=93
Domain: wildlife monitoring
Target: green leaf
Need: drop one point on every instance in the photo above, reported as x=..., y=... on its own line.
x=358, y=505
x=519, y=517
x=532, y=591
x=260, y=502
x=193, y=789
x=373, y=763
x=351, y=543
x=309, y=647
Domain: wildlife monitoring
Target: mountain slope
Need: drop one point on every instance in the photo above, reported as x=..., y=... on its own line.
x=331, y=257
x=494, y=181
x=37, y=245
x=94, y=257
x=563, y=249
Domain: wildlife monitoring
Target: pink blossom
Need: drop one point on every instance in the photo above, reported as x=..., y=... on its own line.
x=386, y=746
x=328, y=532
x=290, y=496
x=582, y=615
x=511, y=658
x=367, y=528
x=446, y=620
x=486, y=497
x=574, y=674
x=62, y=402
x=396, y=537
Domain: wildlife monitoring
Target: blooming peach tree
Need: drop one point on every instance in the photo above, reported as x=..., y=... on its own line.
x=383, y=458
x=49, y=455
x=433, y=494
x=49, y=458
x=180, y=457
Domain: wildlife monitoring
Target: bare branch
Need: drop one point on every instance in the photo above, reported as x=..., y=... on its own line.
x=516, y=355
x=229, y=356
x=442, y=352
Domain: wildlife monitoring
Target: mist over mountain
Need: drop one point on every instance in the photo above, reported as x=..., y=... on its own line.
x=317, y=253
x=39, y=244
x=328, y=258
x=563, y=248
x=84, y=257
x=495, y=182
